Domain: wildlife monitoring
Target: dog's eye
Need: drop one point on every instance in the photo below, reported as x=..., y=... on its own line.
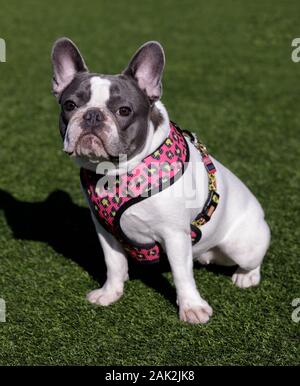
x=69, y=106
x=124, y=111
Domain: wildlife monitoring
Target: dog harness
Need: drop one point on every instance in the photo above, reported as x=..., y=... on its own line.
x=152, y=175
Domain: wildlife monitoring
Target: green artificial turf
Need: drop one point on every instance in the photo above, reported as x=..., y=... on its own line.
x=229, y=76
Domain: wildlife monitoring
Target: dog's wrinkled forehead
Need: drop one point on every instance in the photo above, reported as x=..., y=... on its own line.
x=124, y=90
x=104, y=91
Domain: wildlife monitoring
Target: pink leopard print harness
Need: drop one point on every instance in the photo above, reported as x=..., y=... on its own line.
x=153, y=174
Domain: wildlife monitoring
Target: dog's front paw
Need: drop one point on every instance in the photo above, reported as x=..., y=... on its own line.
x=195, y=313
x=104, y=296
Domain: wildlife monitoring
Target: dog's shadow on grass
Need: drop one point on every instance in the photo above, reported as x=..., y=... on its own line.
x=69, y=230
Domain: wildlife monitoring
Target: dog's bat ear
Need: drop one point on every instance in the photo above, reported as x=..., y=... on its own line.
x=146, y=67
x=67, y=62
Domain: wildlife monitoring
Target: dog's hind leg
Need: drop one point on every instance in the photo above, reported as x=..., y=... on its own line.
x=246, y=245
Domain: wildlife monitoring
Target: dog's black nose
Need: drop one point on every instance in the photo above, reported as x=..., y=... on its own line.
x=93, y=117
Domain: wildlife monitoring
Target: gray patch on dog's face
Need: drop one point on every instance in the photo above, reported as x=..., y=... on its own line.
x=78, y=91
x=114, y=134
x=124, y=92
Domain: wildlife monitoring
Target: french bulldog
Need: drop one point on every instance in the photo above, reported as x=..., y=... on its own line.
x=105, y=116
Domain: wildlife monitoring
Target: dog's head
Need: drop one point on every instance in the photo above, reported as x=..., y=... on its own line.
x=103, y=116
